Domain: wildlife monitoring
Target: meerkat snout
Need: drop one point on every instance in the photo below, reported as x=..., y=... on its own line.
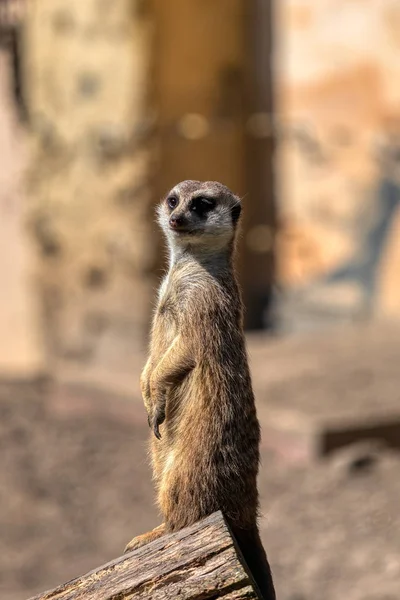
x=176, y=221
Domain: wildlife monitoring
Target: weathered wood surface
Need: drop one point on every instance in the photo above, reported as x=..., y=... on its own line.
x=199, y=562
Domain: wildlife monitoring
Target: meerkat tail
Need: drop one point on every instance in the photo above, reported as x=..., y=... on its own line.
x=253, y=552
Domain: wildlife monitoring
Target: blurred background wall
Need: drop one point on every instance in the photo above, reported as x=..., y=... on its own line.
x=87, y=77
x=21, y=347
x=286, y=103
x=118, y=102
x=337, y=94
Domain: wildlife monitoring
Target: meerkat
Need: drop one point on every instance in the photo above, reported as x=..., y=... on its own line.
x=196, y=384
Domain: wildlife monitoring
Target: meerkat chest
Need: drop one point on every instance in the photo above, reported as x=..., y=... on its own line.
x=165, y=307
x=176, y=298
x=166, y=324
x=171, y=297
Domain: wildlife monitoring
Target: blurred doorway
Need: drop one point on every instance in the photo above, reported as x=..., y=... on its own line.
x=214, y=96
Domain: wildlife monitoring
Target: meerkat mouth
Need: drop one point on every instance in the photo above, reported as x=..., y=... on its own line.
x=182, y=232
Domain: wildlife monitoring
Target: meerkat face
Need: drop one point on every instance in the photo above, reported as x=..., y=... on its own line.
x=199, y=213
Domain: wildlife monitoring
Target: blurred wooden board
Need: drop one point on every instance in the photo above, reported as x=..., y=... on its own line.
x=318, y=393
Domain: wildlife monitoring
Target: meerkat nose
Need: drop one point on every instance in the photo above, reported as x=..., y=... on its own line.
x=176, y=221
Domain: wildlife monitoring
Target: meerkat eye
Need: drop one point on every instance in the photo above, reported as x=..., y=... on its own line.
x=172, y=201
x=202, y=205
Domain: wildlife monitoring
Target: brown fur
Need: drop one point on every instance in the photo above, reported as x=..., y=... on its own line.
x=196, y=383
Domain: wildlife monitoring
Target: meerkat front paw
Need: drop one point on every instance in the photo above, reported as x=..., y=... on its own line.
x=145, y=389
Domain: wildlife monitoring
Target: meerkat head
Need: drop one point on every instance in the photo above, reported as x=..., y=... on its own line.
x=199, y=215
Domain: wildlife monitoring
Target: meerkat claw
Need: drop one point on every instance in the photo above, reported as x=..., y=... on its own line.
x=156, y=431
x=158, y=420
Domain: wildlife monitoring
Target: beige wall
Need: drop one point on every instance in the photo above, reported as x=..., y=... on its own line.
x=338, y=99
x=89, y=182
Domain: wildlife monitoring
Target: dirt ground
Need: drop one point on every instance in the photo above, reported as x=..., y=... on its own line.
x=75, y=486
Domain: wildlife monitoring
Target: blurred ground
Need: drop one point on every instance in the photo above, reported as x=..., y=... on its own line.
x=75, y=483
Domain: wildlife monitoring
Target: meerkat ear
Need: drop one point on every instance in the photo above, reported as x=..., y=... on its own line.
x=235, y=212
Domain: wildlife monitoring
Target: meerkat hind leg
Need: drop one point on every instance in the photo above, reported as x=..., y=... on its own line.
x=146, y=538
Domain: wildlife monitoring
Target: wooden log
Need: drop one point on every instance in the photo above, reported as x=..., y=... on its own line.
x=199, y=562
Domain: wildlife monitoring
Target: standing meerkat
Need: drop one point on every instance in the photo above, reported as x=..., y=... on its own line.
x=196, y=384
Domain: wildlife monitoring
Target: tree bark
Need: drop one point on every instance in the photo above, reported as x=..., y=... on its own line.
x=199, y=562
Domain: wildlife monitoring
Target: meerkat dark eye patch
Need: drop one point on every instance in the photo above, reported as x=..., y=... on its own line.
x=202, y=205
x=172, y=202
x=235, y=212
